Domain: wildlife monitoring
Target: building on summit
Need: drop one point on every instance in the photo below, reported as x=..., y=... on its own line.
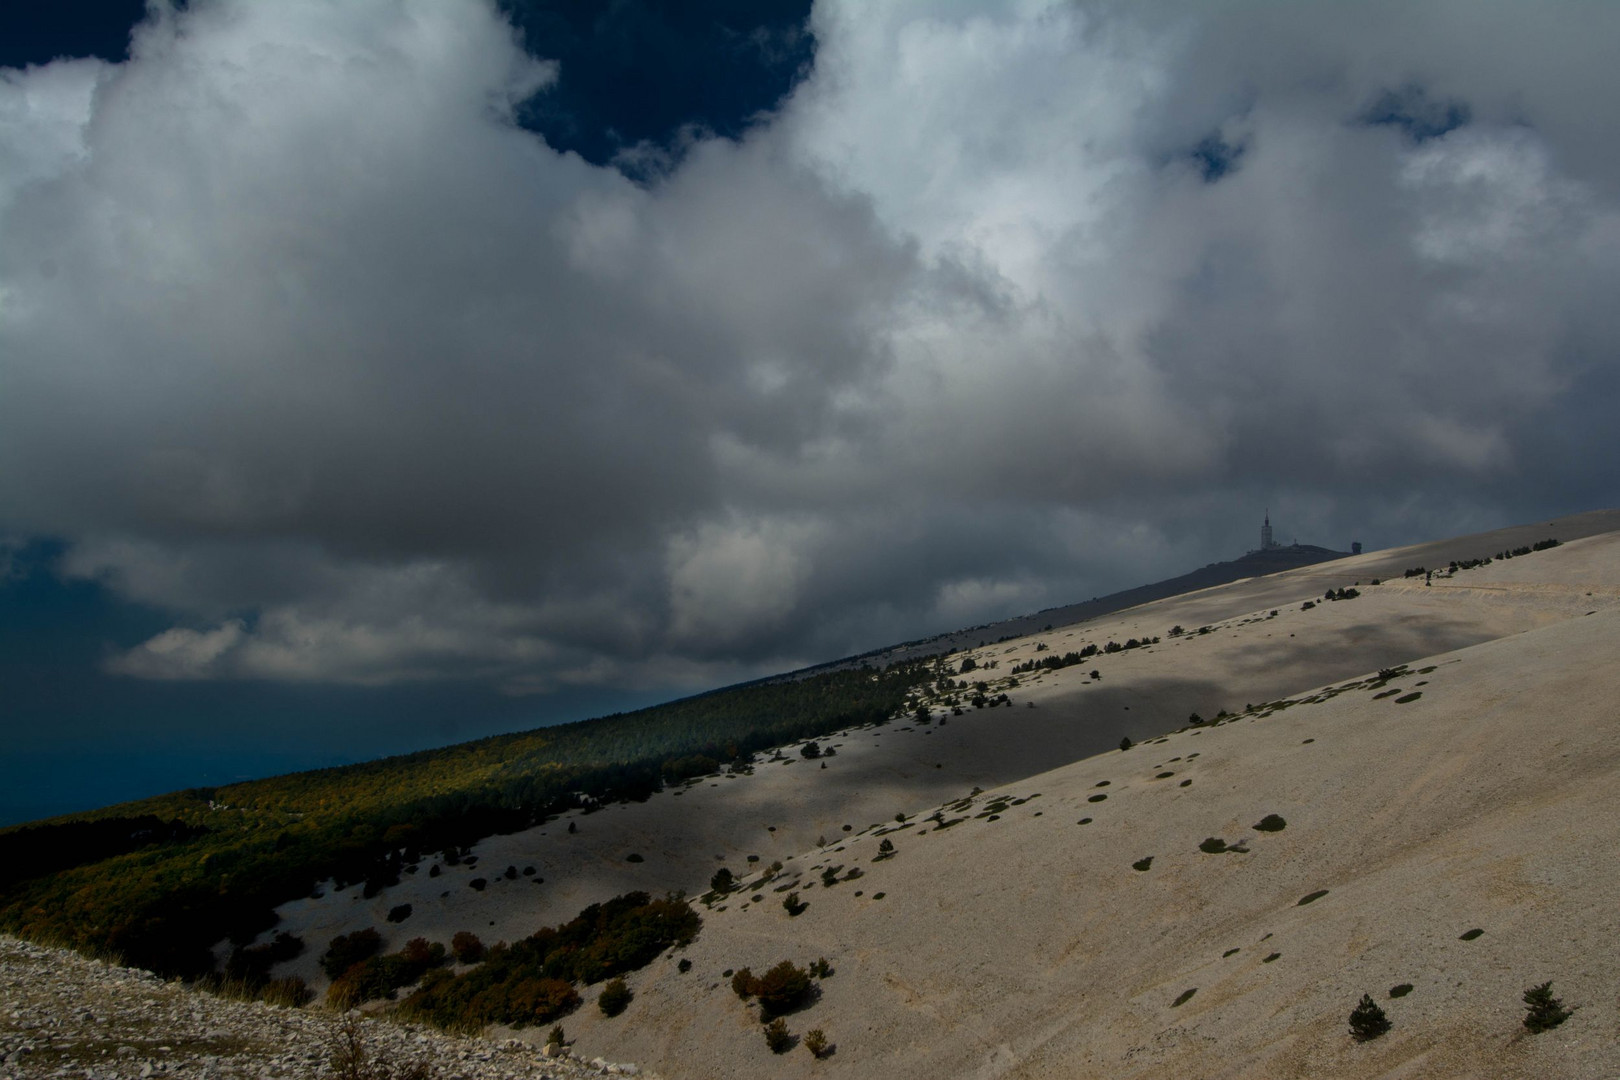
x=1266, y=541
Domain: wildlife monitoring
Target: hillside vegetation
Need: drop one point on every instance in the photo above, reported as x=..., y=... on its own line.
x=160, y=881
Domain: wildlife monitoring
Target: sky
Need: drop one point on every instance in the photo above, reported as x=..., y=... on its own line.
x=382, y=373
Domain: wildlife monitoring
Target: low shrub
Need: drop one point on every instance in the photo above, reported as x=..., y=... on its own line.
x=815, y=1041
x=777, y=1036
x=1142, y=864
x=350, y=1058
x=1367, y=1020
x=1311, y=898
x=1400, y=990
x=793, y=905
x=1212, y=845
x=399, y=913
x=615, y=997
x=1271, y=823
x=782, y=989
x=1186, y=996
x=742, y=983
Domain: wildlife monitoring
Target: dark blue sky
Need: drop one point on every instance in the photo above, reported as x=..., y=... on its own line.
x=633, y=70
x=73, y=737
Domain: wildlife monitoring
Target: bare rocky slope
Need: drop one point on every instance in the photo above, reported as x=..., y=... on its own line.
x=1011, y=932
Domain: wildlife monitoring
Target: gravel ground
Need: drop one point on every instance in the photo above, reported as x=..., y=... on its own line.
x=64, y=1016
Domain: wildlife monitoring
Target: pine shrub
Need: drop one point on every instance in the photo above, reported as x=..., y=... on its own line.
x=1367, y=1020
x=1543, y=1012
x=777, y=1036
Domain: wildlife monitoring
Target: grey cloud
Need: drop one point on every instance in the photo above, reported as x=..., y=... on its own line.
x=306, y=342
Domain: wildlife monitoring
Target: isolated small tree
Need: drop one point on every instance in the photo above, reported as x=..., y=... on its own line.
x=722, y=881
x=815, y=1041
x=1543, y=1012
x=555, y=1036
x=777, y=1036
x=793, y=905
x=1125, y=743
x=742, y=983
x=885, y=850
x=1367, y=1020
x=810, y=750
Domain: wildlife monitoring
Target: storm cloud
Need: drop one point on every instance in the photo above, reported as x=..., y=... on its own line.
x=307, y=342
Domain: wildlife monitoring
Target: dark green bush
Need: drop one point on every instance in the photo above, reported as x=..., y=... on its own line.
x=793, y=905
x=1142, y=864
x=1212, y=845
x=1271, y=823
x=1186, y=996
x=1543, y=1012
x=782, y=989
x=615, y=997
x=1311, y=898
x=1367, y=1020
x=1470, y=935
x=815, y=1041
x=1400, y=990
